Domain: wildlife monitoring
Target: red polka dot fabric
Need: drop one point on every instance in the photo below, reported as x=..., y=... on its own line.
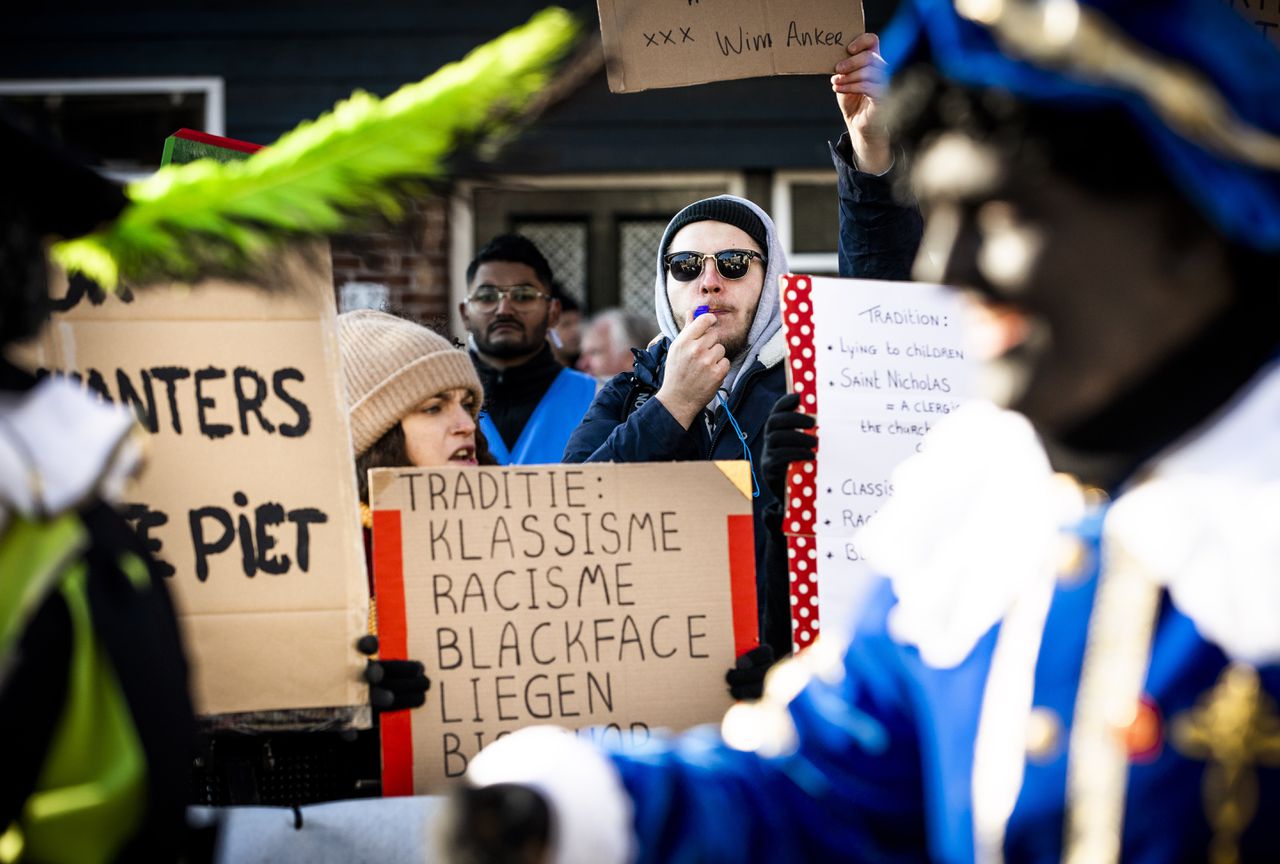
x=800, y=512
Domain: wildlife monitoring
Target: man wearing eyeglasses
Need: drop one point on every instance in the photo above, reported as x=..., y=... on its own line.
x=531, y=402
x=704, y=390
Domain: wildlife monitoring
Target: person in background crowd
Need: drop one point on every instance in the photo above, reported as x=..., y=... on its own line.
x=413, y=397
x=704, y=389
x=1074, y=655
x=532, y=403
x=608, y=340
x=95, y=717
x=566, y=336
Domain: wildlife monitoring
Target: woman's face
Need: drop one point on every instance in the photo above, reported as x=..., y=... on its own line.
x=441, y=431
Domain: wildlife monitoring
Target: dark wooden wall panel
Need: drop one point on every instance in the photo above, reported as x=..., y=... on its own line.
x=286, y=61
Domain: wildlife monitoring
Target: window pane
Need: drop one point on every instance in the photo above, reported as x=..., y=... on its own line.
x=815, y=218
x=638, y=241
x=565, y=246
x=121, y=131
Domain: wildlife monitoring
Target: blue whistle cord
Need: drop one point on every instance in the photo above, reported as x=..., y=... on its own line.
x=746, y=451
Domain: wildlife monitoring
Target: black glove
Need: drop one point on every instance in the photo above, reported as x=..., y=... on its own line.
x=393, y=684
x=746, y=678
x=784, y=442
x=501, y=824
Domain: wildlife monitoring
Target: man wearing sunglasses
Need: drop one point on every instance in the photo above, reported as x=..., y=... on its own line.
x=704, y=390
x=531, y=402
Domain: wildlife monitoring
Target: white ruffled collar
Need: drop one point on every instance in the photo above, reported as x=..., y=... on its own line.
x=59, y=446
x=977, y=520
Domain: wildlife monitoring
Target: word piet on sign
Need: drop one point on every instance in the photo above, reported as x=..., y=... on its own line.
x=256, y=533
x=673, y=43
x=576, y=595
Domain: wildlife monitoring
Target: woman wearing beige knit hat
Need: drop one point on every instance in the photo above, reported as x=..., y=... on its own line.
x=412, y=395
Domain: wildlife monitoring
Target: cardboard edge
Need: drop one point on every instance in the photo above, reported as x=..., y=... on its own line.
x=615, y=72
x=738, y=473
x=396, y=738
x=358, y=600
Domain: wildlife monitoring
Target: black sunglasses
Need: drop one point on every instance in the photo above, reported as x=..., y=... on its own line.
x=732, y=263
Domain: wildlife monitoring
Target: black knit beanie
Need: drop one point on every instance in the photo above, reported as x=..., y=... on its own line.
x=720, y=210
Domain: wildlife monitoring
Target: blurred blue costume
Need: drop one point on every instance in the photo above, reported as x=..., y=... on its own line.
x=1047, y=675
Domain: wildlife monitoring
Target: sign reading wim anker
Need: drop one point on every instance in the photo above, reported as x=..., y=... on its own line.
x=674, y=43
x=609, y=599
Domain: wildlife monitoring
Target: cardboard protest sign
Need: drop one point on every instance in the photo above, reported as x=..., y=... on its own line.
x=607, y=596
x=1262, y=14
x=879, y=364
x=188, y=145
x=673, y=43
x=248, y=494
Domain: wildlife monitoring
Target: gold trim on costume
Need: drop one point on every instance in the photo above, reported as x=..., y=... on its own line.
x=1233, y=727
x=1116, y=657
x=1081, y=42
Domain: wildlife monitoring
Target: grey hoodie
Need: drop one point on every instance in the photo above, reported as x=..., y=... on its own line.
x=768, y=321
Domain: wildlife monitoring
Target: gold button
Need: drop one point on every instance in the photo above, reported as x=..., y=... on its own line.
x=1143, y=735
x=1044, y=735
x=1095, y=497
x=1072, y=560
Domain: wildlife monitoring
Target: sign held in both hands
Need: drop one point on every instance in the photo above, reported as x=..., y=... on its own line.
x=609, y=599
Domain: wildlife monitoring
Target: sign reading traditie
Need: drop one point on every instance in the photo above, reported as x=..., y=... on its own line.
x=673, y=43
x=247, y=498
x=610, y=599
x=880, y=364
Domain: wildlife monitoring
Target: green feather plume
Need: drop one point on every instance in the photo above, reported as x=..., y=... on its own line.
x=186, y=221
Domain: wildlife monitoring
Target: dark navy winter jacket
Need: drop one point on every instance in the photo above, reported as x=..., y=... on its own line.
x=616, y=430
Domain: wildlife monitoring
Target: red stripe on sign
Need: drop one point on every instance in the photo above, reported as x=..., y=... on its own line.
x=393, y=644
x=217, y=140
x=801, y=510
x=742, y=584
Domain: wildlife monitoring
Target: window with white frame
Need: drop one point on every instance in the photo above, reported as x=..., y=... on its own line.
x=599, y=232
x=119, y=123
x=805, y=210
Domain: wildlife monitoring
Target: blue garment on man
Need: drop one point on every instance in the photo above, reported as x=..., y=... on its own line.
x=547, y=431
x=537, y=404
x=625, y=424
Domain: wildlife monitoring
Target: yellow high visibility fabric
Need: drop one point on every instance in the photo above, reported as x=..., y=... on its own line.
x=91, y=793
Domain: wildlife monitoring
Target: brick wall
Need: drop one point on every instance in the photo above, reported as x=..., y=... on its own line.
x=410, y=257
